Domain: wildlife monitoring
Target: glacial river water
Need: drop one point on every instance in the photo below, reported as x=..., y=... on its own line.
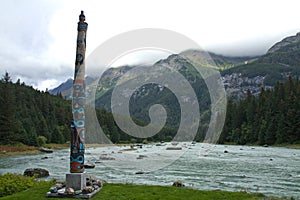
x=273, y=171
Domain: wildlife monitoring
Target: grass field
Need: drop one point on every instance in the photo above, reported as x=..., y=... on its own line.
x=141, y=192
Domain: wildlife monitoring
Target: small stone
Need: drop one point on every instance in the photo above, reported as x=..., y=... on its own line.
x=53, y=190
x=77, y=192
x=58, y=186
x=70, y=191
x=98, y=183
x=225, y=151
x=87, y=190
x=178, y=184
x=141, y=157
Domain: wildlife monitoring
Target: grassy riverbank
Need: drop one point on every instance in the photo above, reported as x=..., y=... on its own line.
x=291, y=146
x=21, y=149
x=12, y=150
x=142, y=192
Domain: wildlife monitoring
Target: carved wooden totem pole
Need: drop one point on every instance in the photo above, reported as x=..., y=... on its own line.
x=78, y=101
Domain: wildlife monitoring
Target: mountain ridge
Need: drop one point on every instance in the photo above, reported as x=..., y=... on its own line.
x=239, y=74
x=284, y=42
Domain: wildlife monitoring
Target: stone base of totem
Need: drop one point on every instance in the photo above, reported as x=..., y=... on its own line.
x=62, y=194
x=76, y=181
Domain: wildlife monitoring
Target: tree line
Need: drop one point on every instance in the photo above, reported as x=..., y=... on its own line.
x=30, y=116
x=33, y=117
x=273, y=117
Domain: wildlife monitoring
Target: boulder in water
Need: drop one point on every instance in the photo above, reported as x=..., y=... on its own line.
x=89, y=166
x=174, y=148
x=38, y=172
x=45, y=150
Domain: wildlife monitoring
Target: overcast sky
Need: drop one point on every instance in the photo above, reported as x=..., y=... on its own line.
x=38, y=37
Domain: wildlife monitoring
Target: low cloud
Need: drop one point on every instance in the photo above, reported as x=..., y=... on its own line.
x=25, y=40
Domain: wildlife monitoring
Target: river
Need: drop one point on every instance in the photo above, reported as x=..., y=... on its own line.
x=273, y=171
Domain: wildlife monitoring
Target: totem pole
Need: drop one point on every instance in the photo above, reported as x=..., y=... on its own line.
x=78, y=101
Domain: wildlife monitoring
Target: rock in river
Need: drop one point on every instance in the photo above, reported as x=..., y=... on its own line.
x=45, y=150
x=89, y=166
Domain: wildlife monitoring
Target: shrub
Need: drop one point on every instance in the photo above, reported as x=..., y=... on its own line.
x=12, y=183
x=42, y=140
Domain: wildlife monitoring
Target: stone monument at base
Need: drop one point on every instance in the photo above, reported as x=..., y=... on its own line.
x=77, y=181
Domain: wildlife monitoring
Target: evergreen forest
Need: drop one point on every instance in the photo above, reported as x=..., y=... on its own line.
x=34, y=117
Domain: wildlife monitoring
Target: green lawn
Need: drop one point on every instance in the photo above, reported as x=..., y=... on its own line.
x=140, y=192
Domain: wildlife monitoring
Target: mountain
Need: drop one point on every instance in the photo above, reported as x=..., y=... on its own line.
x=285, y=52
x=62, y=88
x=65, y=88
x=145, y=95
x=281, y=61
x=239, y=74
x=112, y=75
x=151, y=93
x=279, y=46
x=226, y=62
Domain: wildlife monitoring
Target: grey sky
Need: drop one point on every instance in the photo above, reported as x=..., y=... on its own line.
x=38, y=37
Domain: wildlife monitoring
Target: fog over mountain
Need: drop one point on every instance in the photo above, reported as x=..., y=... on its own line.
x=38, y=38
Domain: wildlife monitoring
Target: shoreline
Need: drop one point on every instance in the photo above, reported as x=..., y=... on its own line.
x=17, y=150
x=21, y=149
